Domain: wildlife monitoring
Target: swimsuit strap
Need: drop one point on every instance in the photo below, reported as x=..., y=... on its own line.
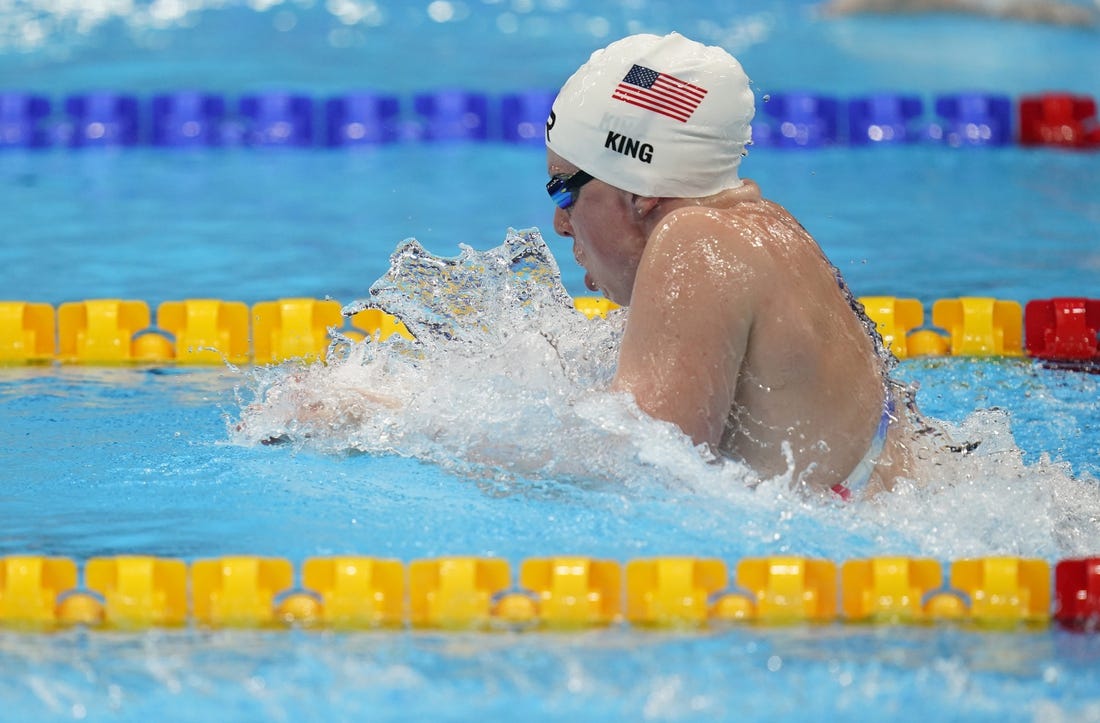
x=856, y=482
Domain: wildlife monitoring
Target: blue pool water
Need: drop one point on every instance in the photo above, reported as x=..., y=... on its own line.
x=103, y=461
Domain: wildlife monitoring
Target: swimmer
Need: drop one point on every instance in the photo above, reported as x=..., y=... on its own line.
x=1048, y=12
x=738, y=329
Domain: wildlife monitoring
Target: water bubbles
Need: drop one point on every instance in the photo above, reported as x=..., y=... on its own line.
x=263, y=5
x=598, y=27
x=443, y=11
x=352, y=12
x=167, y=11
x=284, y=21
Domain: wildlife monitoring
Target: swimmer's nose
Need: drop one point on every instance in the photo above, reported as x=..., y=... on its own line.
x=561, y=223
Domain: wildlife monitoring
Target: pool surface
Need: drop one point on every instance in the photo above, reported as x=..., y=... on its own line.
x=502, y=454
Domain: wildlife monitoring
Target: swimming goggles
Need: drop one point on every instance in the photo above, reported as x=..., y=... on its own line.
x=563, y=187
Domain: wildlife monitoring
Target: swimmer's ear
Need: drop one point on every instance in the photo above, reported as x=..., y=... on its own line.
x=644, y=205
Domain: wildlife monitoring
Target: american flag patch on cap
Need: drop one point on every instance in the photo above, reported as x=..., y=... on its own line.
x=659, y=92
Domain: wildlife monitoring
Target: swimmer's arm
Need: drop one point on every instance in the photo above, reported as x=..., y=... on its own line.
x=687, y=328
x=303, y=403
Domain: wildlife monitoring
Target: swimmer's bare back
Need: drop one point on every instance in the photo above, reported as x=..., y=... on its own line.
x=739, y=332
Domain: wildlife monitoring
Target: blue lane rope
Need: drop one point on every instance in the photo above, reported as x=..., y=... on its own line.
x=196, y=118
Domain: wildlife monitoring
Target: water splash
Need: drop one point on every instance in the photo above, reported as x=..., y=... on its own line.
x=506, y=383
x=991, y=501
x=444, y=299
x=505, y=379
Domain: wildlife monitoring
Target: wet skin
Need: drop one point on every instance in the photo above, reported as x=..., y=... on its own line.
x=737, y=330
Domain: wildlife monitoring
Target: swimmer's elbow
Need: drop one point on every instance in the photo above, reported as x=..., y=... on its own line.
x=694, y=418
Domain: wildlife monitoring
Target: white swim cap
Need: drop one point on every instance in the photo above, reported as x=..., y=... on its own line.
x=656, y=116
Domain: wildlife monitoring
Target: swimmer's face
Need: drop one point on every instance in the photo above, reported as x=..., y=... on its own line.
x=607, y=238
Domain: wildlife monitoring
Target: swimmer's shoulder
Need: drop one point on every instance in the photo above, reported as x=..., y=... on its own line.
x=697, y=227
x=722, y=247
x=736, y=214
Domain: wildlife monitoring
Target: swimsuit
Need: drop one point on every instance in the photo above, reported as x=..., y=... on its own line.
x=856, y=482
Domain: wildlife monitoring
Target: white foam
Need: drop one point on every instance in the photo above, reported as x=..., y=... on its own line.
x=507, y=382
